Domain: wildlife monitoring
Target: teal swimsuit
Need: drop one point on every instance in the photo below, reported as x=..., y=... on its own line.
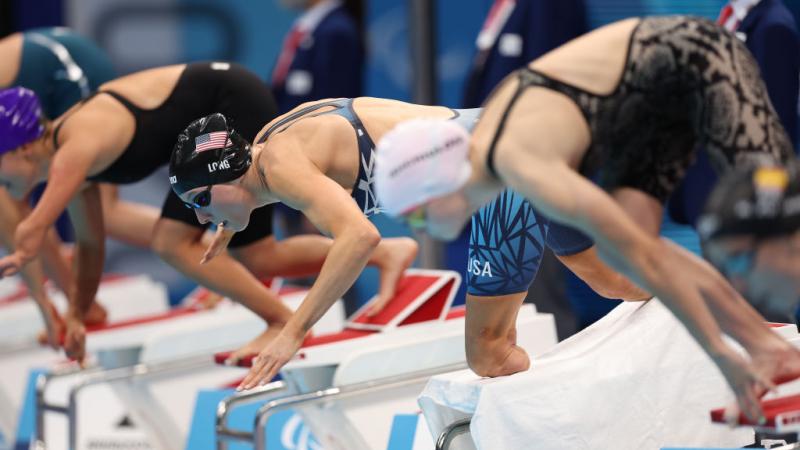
x=61, y=67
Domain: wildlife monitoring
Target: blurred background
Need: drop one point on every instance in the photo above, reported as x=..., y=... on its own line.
x=418, y=50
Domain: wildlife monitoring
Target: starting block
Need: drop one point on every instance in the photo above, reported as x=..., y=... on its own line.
x=781, y=407
x=633, y=380
x=422, y=296
x=344, y=385
x=782, y=414
x=21, y=321
x=17, y=361
x=154, y=367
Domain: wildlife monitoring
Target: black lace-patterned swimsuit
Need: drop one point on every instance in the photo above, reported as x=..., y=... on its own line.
x=686, y=81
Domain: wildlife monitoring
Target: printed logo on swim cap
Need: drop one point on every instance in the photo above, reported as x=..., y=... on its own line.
x=771, y=178
x=448, y=145
x=173, y=179
x=220, y=165
x=212, y=141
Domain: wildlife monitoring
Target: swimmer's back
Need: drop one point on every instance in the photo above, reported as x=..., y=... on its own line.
x=593, y=62
x=147, y=89
x=379, y=115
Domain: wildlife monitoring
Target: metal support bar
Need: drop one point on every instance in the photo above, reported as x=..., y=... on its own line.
x=224, y=434
x=352, y=390
x=123, y=374
x=422, y=35
x=42, y=406
x=451, y=432
x=95, y=376
x=423, y=50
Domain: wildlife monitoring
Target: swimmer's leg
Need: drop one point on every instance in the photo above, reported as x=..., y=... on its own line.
x=181, y=246
x=491, y=335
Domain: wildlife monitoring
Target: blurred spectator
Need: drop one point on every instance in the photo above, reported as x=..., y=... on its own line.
x=323, y=53
x=770, y=33
x=515, y=33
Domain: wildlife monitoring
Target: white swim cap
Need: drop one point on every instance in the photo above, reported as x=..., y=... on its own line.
x=419, y=160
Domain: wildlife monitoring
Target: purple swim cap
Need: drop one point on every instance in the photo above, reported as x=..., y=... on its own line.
x=20, y=114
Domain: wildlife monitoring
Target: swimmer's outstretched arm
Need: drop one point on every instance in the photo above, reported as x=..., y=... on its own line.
x=604, y=280
x=85, y=212
x=32, y=274
x=296, y=181
x=778, y=360
x=561, y=193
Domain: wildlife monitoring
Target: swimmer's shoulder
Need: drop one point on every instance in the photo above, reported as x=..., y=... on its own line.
x=147, y=89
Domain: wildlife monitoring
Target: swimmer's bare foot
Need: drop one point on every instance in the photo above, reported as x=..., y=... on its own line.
x=55, y=328
x=392, y=257
x=97, y=315
x=255, y=346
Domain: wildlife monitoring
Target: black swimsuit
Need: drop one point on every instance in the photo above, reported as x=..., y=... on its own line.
x=686, y=81
x=202, y=89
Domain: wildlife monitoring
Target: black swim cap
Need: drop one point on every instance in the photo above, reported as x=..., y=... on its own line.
x=208, y=153
x=761, y=199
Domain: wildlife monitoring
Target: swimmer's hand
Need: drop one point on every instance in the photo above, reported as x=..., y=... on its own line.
x=271, y=358
x=747, y=383
x=75, y=339
x=220, y=242
x=11, y=265
x=28, y=240
x=254, y=346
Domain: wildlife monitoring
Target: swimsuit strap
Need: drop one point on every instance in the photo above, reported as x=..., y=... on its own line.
x=135, y=110
x=337, y=104
x=493, y=146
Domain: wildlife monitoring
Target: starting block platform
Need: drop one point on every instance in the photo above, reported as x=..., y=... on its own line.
x=25, y=354
x=349, y=386
x=21, y=321
x=634, y=380
x=150, y=371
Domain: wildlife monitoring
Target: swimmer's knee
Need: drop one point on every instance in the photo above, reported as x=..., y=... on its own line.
x=259, y=256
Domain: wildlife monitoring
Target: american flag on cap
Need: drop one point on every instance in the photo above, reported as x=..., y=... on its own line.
x=211, y=141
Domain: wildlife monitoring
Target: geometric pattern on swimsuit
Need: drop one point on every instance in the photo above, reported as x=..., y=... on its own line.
x=686, y=82
x=505, y=246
